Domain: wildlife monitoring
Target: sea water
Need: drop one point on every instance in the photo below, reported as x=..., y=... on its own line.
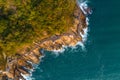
x=101, y=58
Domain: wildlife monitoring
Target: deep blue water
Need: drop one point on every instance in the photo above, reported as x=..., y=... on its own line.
x=100, y=61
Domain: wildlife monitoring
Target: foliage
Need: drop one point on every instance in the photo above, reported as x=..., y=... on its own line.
x=23, y=21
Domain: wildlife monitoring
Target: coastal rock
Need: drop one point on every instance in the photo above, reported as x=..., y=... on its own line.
x=16, y=66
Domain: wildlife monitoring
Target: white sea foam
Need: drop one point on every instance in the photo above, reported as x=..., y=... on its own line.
x=27, y=77
x=87, y=20
x=41, y=57
x=83, y=5
x=57, y=52
x=81, y=44
x=35, y=66
x=85, y=34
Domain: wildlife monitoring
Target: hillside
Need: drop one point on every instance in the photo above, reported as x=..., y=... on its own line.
x=24, y=21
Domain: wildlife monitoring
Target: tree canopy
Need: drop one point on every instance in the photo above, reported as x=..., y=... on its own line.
x=23, y=21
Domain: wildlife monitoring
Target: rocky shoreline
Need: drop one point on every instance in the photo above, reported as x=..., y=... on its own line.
x=22, y=62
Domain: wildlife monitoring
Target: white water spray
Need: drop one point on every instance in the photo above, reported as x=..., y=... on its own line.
x=83, y=6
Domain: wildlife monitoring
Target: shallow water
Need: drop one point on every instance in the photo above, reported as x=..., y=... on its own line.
x=100, y=60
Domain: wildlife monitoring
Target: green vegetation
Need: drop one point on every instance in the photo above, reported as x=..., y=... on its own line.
x=23, y=21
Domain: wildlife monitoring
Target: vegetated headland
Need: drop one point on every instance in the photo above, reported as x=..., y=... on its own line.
x=27, y=27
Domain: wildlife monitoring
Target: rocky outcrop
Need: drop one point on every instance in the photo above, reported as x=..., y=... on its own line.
x=22, y=63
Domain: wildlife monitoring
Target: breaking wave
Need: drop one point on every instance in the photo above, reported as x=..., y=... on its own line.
x=83, y=5
x=35, y=66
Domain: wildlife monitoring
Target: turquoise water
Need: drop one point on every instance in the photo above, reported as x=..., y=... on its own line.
x=100, y=60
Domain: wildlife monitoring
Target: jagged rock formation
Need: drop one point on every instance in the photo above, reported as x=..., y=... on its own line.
x=22, y=62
